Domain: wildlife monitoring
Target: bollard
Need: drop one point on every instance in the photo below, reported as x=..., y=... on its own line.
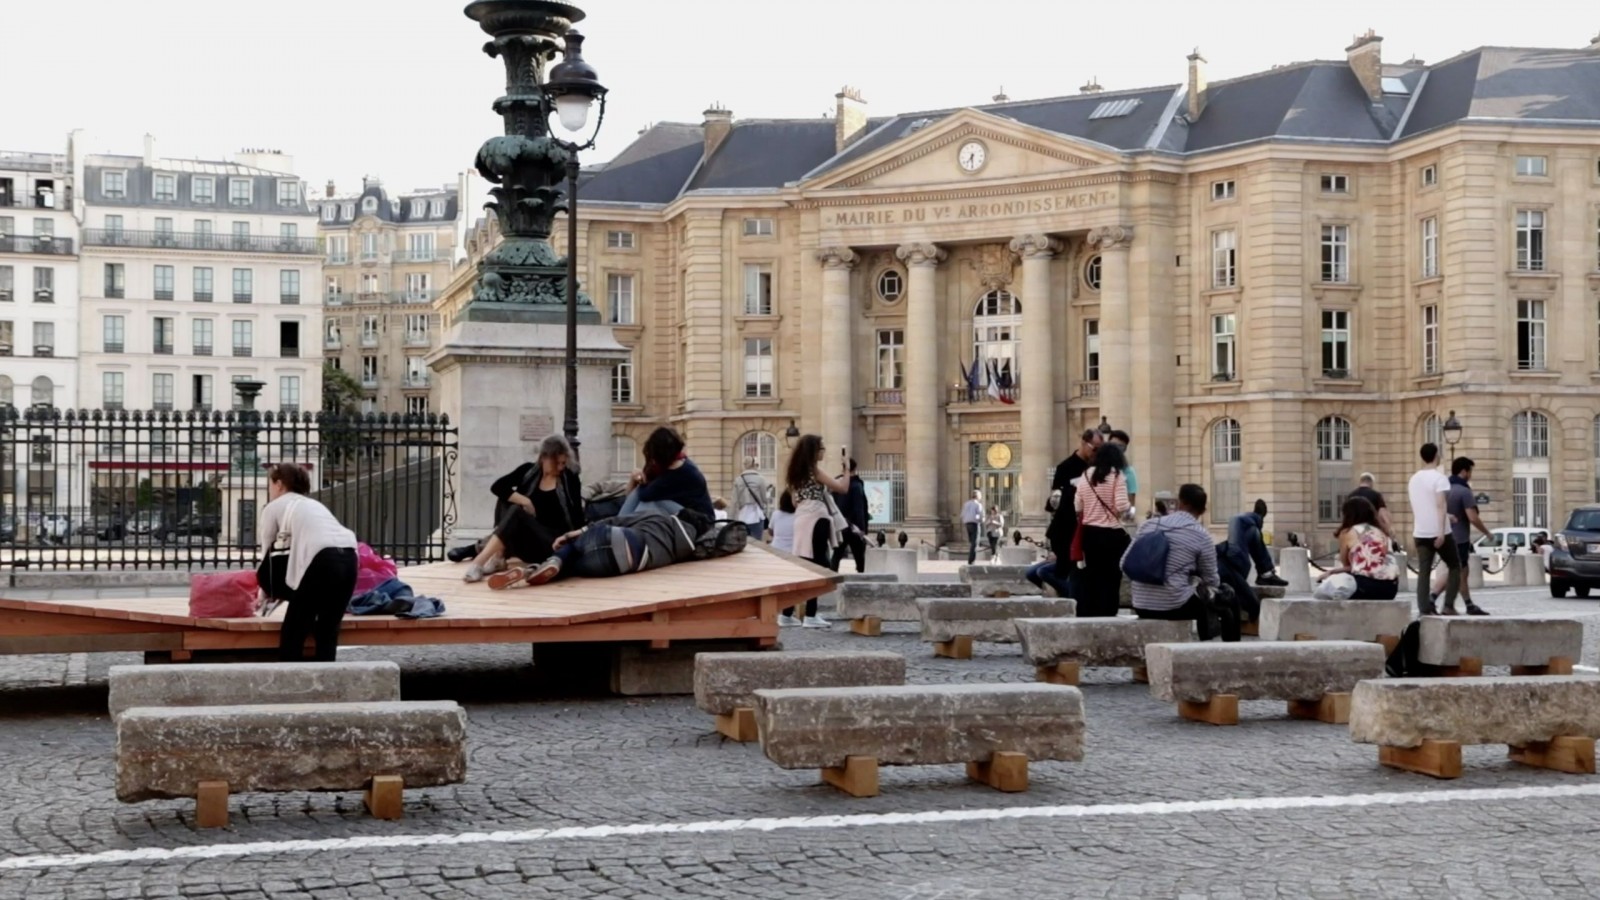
x=1022, y=555
x=1405, y=573
x=1516, y=575
x=1474, y=564
x=1532, y=570
x=1294, y=565
x=902, y=564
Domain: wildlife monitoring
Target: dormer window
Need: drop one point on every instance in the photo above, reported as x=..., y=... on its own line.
x=114, y=184
x=241, y=192
x=329, y=212
x=438, y=209
x=369, y=205
x=203, y=189
x=419, y=209
x=347, y=211
x=288, y=193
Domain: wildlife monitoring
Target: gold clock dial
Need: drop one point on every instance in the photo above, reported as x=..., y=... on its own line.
x=999, y=456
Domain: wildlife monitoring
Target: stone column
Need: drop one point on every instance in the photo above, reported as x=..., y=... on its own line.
x=1116, y=322
x=838, y=360
x=1040, y=376
x=922, y=396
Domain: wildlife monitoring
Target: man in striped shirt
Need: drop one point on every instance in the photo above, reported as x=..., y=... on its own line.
x=1192, y=582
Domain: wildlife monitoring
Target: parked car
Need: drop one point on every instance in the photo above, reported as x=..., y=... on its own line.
x=199, y=525
x=151, y=523
x=110, y=528
x=1575, y=563
x=1499, y=542
x=53, y=528
x=8, y=529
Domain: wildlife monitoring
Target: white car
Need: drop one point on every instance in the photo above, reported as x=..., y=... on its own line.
x=1492, y=548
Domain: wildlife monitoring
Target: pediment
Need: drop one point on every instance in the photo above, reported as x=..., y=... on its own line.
x=928, y=156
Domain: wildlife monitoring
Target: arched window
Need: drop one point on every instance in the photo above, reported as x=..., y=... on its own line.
x=624, y=455
x=1433, y=432
x=996, y=324
x=1335, y=452
x=1530, y=470
x=1091, y=273
x=761, y=447
x=44, y=391
x=1227, y=454
x=8, y=394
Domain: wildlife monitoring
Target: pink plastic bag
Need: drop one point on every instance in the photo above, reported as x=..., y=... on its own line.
x=223, y=595
x=372, y=570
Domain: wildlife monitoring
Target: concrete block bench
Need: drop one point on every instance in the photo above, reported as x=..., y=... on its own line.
x=1531, y=645
x=868, y=605
x=899, y=565
x=1419, y=724
x=988, y=580
x=1308, y=619
x=1208, y=680
x=1024, y=555
x=206, y=752
x=252, y=684
x=952, y=625
x=1263, y=592
x=1061, y=648
x=725, y=683
x=848, y=732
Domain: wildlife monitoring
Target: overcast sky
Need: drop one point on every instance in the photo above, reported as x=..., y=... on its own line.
x=402, y=90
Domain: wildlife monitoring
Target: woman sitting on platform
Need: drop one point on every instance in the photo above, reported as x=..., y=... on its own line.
x=543, y=500
x=1364, y=553
x=669, y=481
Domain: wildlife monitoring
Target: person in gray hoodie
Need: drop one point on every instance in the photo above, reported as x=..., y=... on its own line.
x=621, y=545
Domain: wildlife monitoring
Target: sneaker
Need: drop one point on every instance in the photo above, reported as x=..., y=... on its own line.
x=814, y=622
x=545, y=572
x=787, y=621
x=1474, y=609
x=462, y=553
x=473, y=575
x=505, y=578
x=1271, y=581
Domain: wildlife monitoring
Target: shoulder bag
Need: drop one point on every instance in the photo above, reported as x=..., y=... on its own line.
x=273, y=573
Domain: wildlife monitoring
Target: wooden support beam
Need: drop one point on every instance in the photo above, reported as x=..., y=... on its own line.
x=660, y=617
x=384, y=797
x=1141, y=675
x=1250, y=628
x=858, y=777
x=1005, y=771
x=1221, y=709
x=1558, y=665
x=869, y=626
x=959, y=647
x=1389, y=642
x=211, y=804
x=740, y=725
x=1441, y=759
x=1060, y=673
x=1331, y=708
x=1303, y=636
x=1466, y=666
x=1567, y=753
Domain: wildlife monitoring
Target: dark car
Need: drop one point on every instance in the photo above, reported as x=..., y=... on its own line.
x=8, y=529
x=1575, y=563
x=110, y=528
x=209, y=526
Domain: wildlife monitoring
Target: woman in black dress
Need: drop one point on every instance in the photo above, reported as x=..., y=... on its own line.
x=538, y=502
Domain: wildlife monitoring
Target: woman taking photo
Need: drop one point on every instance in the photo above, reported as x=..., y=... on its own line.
x=1364, y=553
x=543, y=500
x=809, y=488
x=1102, y=500
x=317, y=574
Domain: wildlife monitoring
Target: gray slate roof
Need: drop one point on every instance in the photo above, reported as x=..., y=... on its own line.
x=653, y=169
x=1510, y=83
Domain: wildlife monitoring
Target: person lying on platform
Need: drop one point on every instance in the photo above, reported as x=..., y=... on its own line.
x=619, y=546
x=669, y=481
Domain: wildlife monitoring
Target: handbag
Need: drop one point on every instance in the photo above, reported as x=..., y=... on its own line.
x=273, y=572
x=1075, y=551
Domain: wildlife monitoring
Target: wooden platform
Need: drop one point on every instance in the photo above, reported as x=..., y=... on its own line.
x=734, y=597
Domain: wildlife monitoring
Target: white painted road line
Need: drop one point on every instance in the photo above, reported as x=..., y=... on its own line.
x=154, y=855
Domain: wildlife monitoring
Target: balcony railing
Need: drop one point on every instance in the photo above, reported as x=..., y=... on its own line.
x=243, y=296
x=1088, y=389
x=289, y=351
x=163, y=294
x=113, y=347
x=338, y=259
x=415, y=381
x=369, y=297
x=202, y=349
x=187, y=240
x=290, y=299
x=369, y=340
x=114, y=293
x=981, y=395
x=202, y=296
x=30, y=201
x=416, y=339
x=333, y=299
x=241, y=350
x=886, y=397
x=333, y=343
x=369, y=383
x=416, y=256
x=56, y=246
x=163, y=349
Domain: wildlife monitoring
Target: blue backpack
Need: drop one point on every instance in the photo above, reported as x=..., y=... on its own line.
x=1145, y=560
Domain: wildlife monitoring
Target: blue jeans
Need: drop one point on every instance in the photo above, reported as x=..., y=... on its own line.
x=633, y=504
x=1044, y=573
x=590, y=555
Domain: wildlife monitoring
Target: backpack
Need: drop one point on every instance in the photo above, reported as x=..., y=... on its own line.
x=1145, y=560
x=723, y=538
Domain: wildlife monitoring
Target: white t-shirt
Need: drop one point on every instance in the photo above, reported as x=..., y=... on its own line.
x=1425, y=488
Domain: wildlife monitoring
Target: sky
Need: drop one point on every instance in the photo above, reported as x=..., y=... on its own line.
x=401, y=89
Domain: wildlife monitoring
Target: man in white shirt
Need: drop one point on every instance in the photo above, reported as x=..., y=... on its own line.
x=971, y=515
x=1429, y=489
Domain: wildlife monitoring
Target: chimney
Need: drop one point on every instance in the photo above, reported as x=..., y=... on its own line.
x=1595, y=44
x=1001, y=97
x=331, y=190
x=718, y=124
x=1093, y=87
x=150, y=150
x=1366, y=61
x=850, y=116
x=1197, y=85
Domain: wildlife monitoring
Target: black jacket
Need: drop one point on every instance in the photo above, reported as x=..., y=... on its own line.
x=524, y=480
x=1065, y=521
x=853, y=503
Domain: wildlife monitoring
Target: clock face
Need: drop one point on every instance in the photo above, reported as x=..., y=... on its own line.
x=972, y=156
x=999, y=455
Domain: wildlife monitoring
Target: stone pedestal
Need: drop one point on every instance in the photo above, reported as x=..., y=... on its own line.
x=1474, y=564
x=1021, y=555
x=1516, y=575
x=902, y=564
x=1532, y=569
x=503, y=383
x=1294, y=566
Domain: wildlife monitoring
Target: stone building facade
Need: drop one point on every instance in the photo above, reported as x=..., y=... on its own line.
x=1274, y=282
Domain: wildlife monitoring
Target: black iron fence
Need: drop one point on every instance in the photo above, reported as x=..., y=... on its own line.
x=198, y=240
x=111, y=489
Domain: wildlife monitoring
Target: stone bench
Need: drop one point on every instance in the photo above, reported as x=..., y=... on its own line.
x=1207, y=680
x=1024, y=555
x=1531, y=645
x=988, y=580
x=1308, y=619
x=206, y=752
x=952, y=625
x=868, y=605
x=1060, y=648
x=848, y=732
x=1263, y=592
x=252, y=684
x=899, y=565
x=1419, y=724
x=725, y=683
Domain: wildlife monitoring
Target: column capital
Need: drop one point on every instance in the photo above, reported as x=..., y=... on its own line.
x=919, y=255
x=1033, y=246
x=1111, y=237
x=837, y=257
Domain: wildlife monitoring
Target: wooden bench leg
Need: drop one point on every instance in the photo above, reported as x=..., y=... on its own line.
x=1252, y=629
x=1060, y=673
x=740, y=725
x=384, y=797
x=1302, y=636
x=1568, y=753
x=1467, y=666
x=869, y=626
x=960, y=647
x=1141, y=675
x=1221, y=709
x=1441, y=759
x=858, y=777
x=211, y=804
x=1558, y=665
x=1005, y=771
x=1331, y=708
x=1389, y=642
x=1530, y=670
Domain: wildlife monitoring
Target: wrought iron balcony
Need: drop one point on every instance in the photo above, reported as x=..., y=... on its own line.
x=416, y=256
x=333, y=343
x=202, y=296
x=202, y=349
x=369, y=339
x=416, y=339
x=333, y=299
x=55, y=246
x=290, y=299
x=31, y=201
x=188, y=240
x=416, y=382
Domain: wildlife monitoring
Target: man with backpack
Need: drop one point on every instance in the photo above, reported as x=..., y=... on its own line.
x=1189, y=586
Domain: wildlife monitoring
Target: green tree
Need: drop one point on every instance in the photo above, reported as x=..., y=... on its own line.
x=341, y=393
x=340, y=424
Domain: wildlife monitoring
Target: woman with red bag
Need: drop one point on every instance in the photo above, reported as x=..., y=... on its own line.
x=310, y=562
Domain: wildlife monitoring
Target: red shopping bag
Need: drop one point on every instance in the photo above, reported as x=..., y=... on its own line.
x=372, y=570
x=223, y=595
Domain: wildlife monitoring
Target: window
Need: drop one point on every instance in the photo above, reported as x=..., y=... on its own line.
x=1227, y=452
x=761, y=447
x=289, y=339
x=166, y=188
x=1432, y=432
x=1222, y=347
x=1335, y=343
x=1335, y=441
x=758, y=367
x=162, y=390
x=203, y=189
x=111, y=389
x=369, y=245
x=163, y=329
x=369, y=204
x=44, y=228
x=1336, y=184
x=8, y=391
x=165, y=277
x=619, y=298
x=243, y=285
x=330, y=212
x=331, y=335
x=1091, y=273
x=44, y=392
x=1430, y=339
x=758, y=227
x=44, y=284
x=369, y=371
x=1530, y=335
x=1430, y=247
x=164, y=230
x=289, y=285
x=114, y=228
x=1091, y=350
x=1533, y=166
x=624, y=452
x=417, y=328
x=1335, y=254
x=419, y=209
x=422, y=247
x=44, y=339
x=1530, y=240
x=288, y=234
x=241, y=235
x=8, y=275
x=114, y=184
x=369, y=286
x=115, y=280
x=240, y=191
x=203, y=330
x=757, y=289
x=619, y=240
x=416, y=287
x=369, y=331
x=1224, y=259
x=201, y=386
x=1597, y=243
x=891, y=359
x=438, y=208
x=347, y=210
x=204, y=230
x=288, y=193
x=243, y=337
x=338, y=249
x=996, y=336
x=6, y=337
x=891, y=285
x=113, y=331
x=622, y=382
x=1222, y=190
x=416, y=372
x=417, y=406
x=1430, y=176
x=1530, y=470
x=289, y=392
x=204, y=282
x=8, y=226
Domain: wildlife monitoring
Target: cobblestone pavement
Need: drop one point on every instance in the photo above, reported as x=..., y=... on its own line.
x=540, y=763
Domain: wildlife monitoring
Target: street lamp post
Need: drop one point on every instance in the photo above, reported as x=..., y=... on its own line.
x=1452, y=431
